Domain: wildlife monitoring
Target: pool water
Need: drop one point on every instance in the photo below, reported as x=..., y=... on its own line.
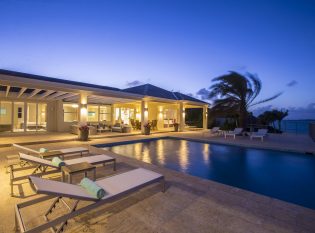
x=287, y=176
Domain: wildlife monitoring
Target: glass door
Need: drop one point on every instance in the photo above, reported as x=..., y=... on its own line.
x=41, y=117
x=31, y=117
x=18, y=119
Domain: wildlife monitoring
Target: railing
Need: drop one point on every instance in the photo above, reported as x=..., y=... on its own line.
x=289, y=126
x=296, y=126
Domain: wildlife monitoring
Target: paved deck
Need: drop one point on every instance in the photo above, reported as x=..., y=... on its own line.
x=190, y=204
x=49, y=137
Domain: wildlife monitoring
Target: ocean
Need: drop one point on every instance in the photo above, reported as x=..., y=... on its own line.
x=296, y=126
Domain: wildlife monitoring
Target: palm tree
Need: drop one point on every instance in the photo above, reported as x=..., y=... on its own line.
x=235, y=93
x=279, y=115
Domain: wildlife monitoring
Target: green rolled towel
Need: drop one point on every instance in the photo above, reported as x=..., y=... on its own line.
x=92, y=188
x=43, y=150
x=56, y=161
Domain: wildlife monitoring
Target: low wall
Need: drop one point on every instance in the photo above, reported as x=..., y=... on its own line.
x=312, y=130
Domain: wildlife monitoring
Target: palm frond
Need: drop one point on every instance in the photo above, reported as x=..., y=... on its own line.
x=266, y=100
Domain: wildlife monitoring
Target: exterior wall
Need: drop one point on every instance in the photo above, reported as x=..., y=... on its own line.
x=55, y=121
x=52, y=117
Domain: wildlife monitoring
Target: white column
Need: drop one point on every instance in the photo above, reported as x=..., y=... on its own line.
x=144, y=114
x=181, y=116
x=25, y=116
x=205, y=117
x=83, y=108
x=113, y=114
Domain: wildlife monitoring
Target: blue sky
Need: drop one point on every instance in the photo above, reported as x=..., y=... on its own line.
x=177, y=45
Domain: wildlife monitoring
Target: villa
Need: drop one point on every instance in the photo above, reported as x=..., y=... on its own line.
x=36, y=103
x=186, y=181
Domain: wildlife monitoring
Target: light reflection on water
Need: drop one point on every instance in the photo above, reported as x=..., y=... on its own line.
x=183, y=155
x=283, y=175
x=160, y=151
x=206, y=152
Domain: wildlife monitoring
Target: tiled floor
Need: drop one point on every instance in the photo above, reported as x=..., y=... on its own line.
x=190, y=204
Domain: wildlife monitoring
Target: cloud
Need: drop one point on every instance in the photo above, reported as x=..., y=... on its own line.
x=203, y=93
x=295, y=113
x=292, y=83
x=134, y=83
x=190, y=94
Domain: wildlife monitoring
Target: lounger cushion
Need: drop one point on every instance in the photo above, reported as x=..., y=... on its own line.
x=94, y=159
x=58, y=162
x=43, y=150
x=114, y=185
x=92, y=188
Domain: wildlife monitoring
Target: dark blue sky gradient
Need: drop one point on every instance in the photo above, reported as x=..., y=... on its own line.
x=179, y=45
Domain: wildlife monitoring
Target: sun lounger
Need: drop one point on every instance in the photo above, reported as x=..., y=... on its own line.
x=116, y=187
x=52, y=153
x=214, y=130
x=46, y=167
x=236, y=131
x=261, y=133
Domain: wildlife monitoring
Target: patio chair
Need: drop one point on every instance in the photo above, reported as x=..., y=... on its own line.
x=154, y=124
x=46, y=167
x=138, y=125
x=215, y=130
x=261, y=133
x=52, y=153
x=236, y=131
x=116, y=187
x=133, y=124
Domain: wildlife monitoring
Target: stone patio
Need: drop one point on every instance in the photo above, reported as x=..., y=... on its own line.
x=190, y=204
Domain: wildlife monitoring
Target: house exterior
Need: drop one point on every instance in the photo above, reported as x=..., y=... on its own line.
x=37, y=103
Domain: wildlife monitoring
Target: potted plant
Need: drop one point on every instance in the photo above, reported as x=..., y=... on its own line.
x=84, y=133
x=147, y=128
x=176, y=127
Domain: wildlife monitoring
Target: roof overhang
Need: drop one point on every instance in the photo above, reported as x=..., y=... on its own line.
x=47, y=90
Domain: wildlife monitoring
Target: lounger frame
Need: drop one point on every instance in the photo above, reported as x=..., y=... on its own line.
x=61, y=154
x=73, y=210
x=43, y=168
x=234, y=133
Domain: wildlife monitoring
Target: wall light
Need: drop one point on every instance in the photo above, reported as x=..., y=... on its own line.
x=84, y=111
x=146, y=113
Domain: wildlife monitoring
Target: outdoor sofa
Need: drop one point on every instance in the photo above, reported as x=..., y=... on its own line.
x=122, y=128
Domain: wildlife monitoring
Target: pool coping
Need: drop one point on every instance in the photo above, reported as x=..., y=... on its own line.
x=266, y=200
x=126, y=142
x=228, y=142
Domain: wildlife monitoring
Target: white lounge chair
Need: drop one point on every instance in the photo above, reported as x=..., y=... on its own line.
x=261, y=133
x=214, y=130
x=52, y=153
x=236, y=131
x=45, y=167
x=116, y=187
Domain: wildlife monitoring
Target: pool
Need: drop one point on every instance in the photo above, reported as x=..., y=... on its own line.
x=287, y=176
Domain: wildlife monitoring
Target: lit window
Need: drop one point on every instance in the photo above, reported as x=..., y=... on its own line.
x=70, y=112
x=105, y=113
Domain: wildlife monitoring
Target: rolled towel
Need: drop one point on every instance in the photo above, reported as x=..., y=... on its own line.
x=92, y=188
x=56, y=161
x=43, y=150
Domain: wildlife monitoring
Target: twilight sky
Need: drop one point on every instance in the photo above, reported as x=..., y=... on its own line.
x=177, y=45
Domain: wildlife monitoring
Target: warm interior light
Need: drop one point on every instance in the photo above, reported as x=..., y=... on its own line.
x=74, y=105
x=83, y=111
